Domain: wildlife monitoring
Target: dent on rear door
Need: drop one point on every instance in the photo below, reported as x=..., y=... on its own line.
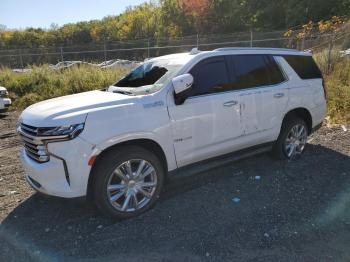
x=250, y=107
x=261, y=110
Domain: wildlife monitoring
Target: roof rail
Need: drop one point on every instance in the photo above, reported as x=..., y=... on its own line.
x=255, y=48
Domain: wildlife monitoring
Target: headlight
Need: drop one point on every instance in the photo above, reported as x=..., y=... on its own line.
x=61, y=132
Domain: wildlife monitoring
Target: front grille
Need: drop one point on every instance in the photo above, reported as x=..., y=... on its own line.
x=31, y=130
x=34, y=148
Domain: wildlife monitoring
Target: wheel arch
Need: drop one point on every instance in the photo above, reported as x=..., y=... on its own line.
x=302, y=113
x=145, y=143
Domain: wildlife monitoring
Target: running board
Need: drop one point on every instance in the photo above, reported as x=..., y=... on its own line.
x=212, y=163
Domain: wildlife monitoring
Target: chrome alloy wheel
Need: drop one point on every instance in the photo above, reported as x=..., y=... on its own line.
x=132, y=185
x=296, y=140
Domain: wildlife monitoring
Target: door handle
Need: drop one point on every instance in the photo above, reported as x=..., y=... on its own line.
x=230, y=103
x=278, y=95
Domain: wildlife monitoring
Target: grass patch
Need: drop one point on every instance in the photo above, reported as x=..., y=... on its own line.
x=338, y=92
x=322, y=59
x=42, y=83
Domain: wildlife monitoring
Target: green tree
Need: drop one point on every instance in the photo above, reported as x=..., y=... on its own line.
x=176, y=18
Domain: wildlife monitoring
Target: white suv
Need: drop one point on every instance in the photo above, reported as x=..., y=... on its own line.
x=118, y=145
x=5, y=101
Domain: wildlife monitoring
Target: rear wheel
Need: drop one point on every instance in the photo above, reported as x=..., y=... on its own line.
x=128, y=182
x=292, y=139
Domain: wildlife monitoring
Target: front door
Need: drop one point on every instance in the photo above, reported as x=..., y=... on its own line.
x=209, y=120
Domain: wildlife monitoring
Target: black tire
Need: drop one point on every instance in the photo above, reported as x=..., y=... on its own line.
x=279, y=150
x=106, y=166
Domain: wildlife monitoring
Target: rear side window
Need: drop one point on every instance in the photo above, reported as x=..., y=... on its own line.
x=210, y=76
x=254, y=71
x=304, y=66
x=275, y=73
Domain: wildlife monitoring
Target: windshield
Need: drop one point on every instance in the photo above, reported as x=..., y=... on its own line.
x=152, y=73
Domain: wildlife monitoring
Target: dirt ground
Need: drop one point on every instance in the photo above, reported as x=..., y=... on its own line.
x=13, y=188
x=257, y=209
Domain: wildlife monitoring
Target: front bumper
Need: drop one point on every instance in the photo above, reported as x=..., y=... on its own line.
x=47, y=178
x=5, y=103
x=65, y=174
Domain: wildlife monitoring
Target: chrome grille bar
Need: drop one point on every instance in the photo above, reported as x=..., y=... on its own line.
x=34, y=147
x=30, y=129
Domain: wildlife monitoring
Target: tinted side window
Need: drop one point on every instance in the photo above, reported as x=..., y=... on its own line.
x=250, y=71
x=275, y=73
x=210, y=76
x=304, y=66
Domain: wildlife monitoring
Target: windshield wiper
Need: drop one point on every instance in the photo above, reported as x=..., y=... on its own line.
x=123, y=92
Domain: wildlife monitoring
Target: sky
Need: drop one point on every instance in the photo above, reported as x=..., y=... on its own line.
x=20, y=14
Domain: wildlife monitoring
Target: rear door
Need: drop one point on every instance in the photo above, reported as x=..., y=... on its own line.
x=209, y=120
x=264, y=93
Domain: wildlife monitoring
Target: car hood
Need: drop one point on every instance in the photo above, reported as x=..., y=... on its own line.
x=71, y=109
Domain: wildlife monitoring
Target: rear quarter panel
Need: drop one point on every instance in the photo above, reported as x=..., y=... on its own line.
x=306, y=94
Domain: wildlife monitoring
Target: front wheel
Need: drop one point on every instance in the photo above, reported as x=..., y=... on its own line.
x=128, y=182
x=292, y=139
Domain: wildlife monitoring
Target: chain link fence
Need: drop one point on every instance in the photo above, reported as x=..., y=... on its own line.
x=330, y=50
x=138, y=50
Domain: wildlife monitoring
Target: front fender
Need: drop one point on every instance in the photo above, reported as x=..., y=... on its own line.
x=164, y=143
x=112, y=126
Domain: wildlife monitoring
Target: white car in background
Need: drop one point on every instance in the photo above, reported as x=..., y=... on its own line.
x=65, y=65
x=179, y=111
x=345, y=53
x=105, y=63
x=5, y=101
x=122, y=64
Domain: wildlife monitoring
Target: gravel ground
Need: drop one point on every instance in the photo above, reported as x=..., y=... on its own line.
x=258, y=209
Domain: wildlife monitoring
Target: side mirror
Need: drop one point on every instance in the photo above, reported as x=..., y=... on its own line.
x=182, y=86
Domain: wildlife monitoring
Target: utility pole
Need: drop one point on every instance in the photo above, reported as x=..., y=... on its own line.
x=303, y=44
x=105, y=51
x=148, y=48
x=329, y=60
x=21, y=58
x=62, y=54
x=251, y=37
